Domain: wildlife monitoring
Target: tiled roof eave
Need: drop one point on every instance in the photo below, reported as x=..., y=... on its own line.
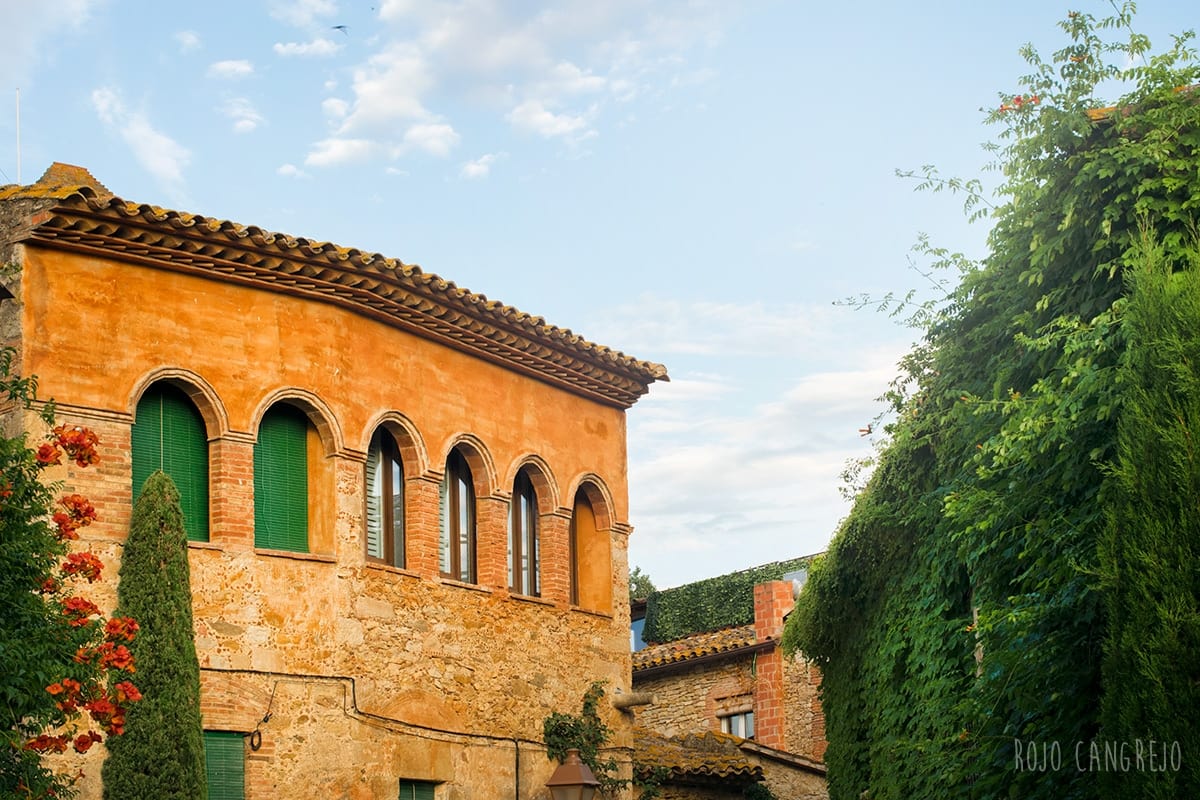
x=684, y=662
x=384, y=289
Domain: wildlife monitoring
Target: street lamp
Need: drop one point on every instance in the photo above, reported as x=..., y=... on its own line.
x=573, y=780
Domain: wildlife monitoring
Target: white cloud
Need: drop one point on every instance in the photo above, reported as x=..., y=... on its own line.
x=708, y=328
x=159, y=154
x=532, y=117
x=436, y=138
x=302, y=13
x=335, y=107
x=245, y=117
x=33, y=32
x=316, y=48
x=291, y=171
x=188, y=41
x=709, y=465
x=387, y=89
x=334, y=151
x=231, y=69
x=479, y=168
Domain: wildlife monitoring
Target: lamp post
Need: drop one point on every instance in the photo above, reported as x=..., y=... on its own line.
x=573, y=780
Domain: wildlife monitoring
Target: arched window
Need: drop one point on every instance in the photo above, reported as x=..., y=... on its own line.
x=583, y=521
x=456, y=547
x=385, y=500
x=281, y=480
x=523, y=556
x=591, y=556
x=168, y=434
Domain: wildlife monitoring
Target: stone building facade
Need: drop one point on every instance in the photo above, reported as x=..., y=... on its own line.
x=408, y=533
x=737, y=683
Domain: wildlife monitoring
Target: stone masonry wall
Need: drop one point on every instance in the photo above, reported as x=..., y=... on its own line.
x=370, y=673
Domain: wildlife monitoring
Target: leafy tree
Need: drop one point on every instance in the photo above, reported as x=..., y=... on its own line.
x=640, y=585
x=964, y=607
x=162, y=752
x=62, y=666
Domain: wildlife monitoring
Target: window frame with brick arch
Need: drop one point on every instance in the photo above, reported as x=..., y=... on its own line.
x=457, y=536
x=169, y=434
x=385, y=542
x=281, y=477
x=524, y=550
x=589, y=551
x=225, y=765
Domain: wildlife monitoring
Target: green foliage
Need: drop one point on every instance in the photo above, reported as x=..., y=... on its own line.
x=640, y=585
x=587, y=733
x=967, y=600
x=758, y=791
x=710, y=604
x=1150, y=547
x=161, y=754
x=45, y=641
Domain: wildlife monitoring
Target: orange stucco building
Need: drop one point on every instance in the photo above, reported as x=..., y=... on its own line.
x=406, y=503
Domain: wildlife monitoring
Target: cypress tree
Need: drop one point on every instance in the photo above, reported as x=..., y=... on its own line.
x=1150, y=553
x=161, y=755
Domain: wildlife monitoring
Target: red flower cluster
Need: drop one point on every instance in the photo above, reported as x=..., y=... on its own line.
x=127, y=692
x=85, y=565
x=80, y=444
x=84, y=741
x=107, y=714
x=79, y=513
x=48, y=455
x=47, y=744
x=1020, y=102
x=71, y=691
x=80, y=610
x=121, y=628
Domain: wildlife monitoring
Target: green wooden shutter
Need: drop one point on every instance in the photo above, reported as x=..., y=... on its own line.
x=225, y=765
x=281, y=480
x=416, y=790
x=168, y=434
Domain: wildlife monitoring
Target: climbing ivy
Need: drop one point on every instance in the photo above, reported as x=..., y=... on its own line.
x=710, y=604
x=964, y=608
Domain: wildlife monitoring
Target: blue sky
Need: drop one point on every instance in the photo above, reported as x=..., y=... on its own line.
x=691, y=182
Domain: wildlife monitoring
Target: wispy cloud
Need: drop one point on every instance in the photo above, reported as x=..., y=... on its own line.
x=710, y=466
x=302, y=13
x=548, y=72
x=478, y=168
x=188, y=41
x=231, y=69
x=159, y=154
x=331, y=152
x=533, y=117
x=316, y=48
x=29, y=29
x=291, y=171
x=245, y=117
x=667, y=325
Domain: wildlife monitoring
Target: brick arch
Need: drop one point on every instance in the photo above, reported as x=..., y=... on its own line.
x=412, y=446
x=317, y=411
x=544, y=484
x=596, y=491
x=479, y=459
x=203, y=396
x=591, y=534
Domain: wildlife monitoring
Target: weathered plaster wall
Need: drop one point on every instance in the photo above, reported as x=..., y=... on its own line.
x=377, y=673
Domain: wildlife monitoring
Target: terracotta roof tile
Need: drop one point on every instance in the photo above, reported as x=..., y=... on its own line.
x=706, y=757
x=89, y=218
x=726, y=640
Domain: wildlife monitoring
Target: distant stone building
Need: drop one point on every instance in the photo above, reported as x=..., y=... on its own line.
x=406, y=503
x=730, y=708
